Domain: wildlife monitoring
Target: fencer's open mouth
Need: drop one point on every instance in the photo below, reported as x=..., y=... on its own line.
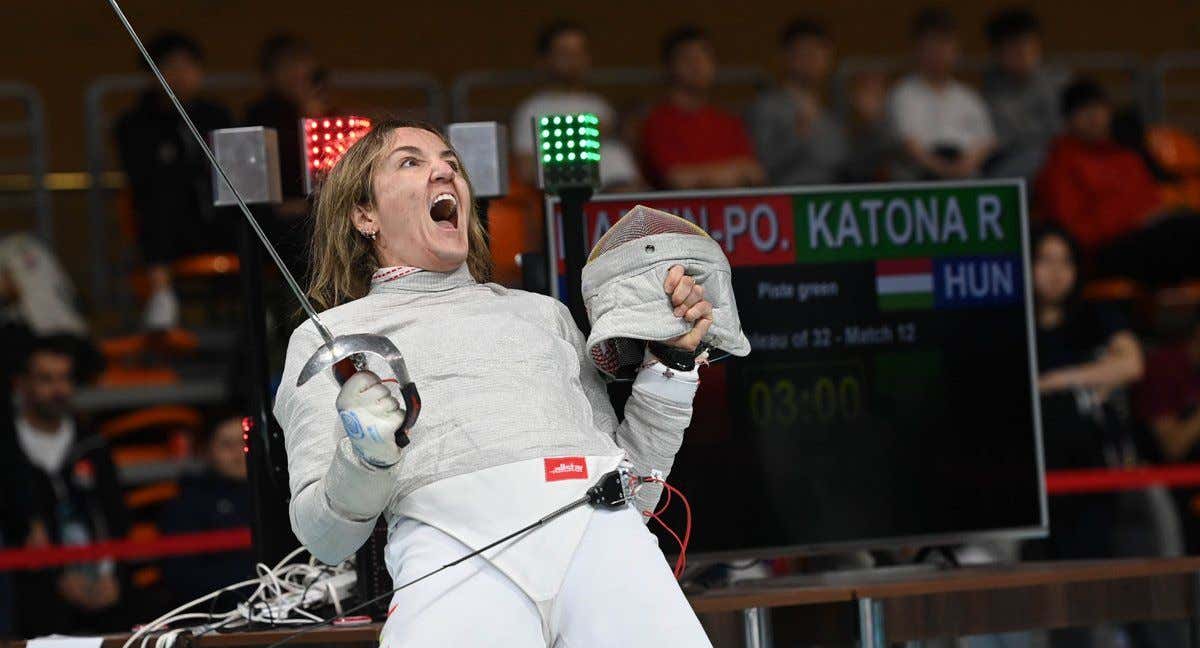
x=444, y=209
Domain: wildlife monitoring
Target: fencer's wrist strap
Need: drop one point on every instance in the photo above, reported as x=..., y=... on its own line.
x=674, y=357
x=667, y=383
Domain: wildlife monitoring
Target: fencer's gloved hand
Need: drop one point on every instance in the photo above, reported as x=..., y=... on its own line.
x=371, y=417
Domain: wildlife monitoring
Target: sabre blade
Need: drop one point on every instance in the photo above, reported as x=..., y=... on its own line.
x=262, y=236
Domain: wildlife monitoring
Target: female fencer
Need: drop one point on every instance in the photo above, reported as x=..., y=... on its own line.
x=515, y=423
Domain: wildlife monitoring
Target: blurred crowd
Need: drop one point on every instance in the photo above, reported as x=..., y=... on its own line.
x=1119, y=384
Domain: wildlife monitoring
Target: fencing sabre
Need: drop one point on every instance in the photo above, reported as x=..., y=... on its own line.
x=335, y=349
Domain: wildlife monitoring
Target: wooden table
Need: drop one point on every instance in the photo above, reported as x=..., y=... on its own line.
x=878, y=607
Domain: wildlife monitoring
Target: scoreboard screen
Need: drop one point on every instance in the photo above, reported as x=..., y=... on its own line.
x=889, y=395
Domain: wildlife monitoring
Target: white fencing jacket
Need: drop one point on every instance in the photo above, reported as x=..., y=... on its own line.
x=504, y=378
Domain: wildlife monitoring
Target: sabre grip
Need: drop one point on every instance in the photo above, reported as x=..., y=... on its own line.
x=347, y=367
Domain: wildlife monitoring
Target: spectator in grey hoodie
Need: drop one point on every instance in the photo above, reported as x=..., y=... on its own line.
x=1022, y=94
x=798, y=140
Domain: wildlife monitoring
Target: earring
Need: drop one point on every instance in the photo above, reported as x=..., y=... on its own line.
x=371, y=236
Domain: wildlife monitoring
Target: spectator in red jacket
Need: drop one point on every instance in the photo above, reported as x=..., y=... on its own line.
x=1103, y=194
x=687, y=142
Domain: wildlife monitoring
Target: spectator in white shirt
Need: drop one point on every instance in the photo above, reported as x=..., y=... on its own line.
x=942, y=123
x=565, y=58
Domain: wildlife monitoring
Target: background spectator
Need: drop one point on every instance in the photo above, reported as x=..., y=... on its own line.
x=1084, y=353
x=872, y=147
x=687, y=142
x=217, y=498
x=797, y=138
x=169, y=175
x=564, y=57
x=1168, y=402
x=1103, y=194
x=1169, y=398
x=294, y=89
x=942, y=123
x=60, y=482
x=1022, y=94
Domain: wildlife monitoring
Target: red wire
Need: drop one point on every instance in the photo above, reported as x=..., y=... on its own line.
x=681, y=562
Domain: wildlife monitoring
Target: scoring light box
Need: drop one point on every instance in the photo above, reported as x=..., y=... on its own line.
x=567, y=148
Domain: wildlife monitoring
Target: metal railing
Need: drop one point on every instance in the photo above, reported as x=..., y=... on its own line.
x=98, y=122
x=1129, y=68
x=32, y=128
x=469, y=83
x=1161, y=97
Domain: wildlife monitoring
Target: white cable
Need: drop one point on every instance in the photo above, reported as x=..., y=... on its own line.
x=146, y=629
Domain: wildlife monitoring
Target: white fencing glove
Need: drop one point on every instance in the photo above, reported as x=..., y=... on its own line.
x=371, y=417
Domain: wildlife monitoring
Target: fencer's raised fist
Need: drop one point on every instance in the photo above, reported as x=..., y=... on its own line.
x=371, y=417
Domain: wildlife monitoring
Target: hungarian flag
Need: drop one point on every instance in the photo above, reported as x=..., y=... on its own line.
x=904, y=284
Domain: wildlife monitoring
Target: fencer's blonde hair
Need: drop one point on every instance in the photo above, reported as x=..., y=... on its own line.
x=343, y=260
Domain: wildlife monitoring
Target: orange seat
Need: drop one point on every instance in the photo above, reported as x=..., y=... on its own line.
x=134, y=377
x=1115, y=289
x=173, y=342
x=1175, y=149
x=151, y=495
x=204, y=266
x=146, y=576
x=162, y=416
x=1178, y=152
x=1184, y=294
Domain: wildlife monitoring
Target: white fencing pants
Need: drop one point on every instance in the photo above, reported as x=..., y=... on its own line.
x=618, y=592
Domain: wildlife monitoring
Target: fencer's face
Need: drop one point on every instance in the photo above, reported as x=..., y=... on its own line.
x=1053, y=271
x=422, y=203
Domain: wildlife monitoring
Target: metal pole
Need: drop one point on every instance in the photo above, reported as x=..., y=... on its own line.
x=870, y=624
x=575, y=250
x=757, y=627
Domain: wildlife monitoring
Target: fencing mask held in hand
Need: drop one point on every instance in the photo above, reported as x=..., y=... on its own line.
x=623, y=289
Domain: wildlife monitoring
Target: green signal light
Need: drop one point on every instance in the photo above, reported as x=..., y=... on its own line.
x=568, y=120
x=557, y=120
x=570, y=156
x=545, y=120
x=570, y=132
x=558, y=145
x=546, y=158
x=558, y=132
x=545, y=133
x=571, y=144
x=545, y=145
x=559, y=157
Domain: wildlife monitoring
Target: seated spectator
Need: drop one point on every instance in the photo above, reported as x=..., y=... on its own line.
x=37, y=298
x=1103, y=194
x=870, y=142
x=1169, y=398
x=564, y=57
x=294, y=85
x=687, y=142
x=217, y=498
x=1084, y=354
x=799, y=141
x=942, y=123
x=60, y=482
x=169, y=175
x=1168, y=402
x=1022, y=94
